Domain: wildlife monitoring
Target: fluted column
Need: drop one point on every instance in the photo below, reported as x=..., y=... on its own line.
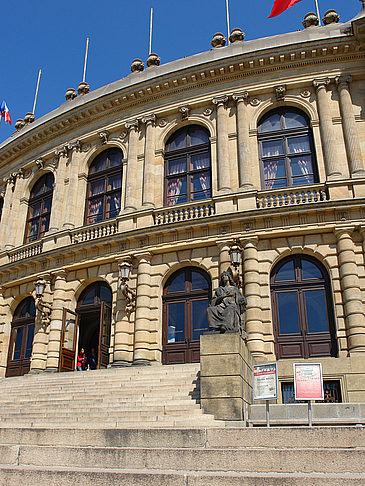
x=149, y=161
x=59, y=302
x=40, y=342
x=132, y=167
x=142, y=354
x=349, y=127
x=251, y=278
x=243, y=126
x=351, y=290
x=328, y=137
x=224, y=176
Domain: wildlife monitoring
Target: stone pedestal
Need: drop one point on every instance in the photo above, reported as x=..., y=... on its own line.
x=226, y=375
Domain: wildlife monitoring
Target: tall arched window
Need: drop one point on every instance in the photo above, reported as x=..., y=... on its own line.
x=187, y=166
x=302, y=309
x=286, y=149
x=185, y=300
x=39, y=211
x=21, y=338
x=104, y=186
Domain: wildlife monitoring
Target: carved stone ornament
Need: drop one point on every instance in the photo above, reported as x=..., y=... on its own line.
x=310, y=20
x=13, y=176
x=344, y=79
x=240, y=96
x=137, y=66
x=123, y=135
x=162, y=123
x=153, y=60
x=218, y=40
x=19, y=124
x=149, y=120
x=132, y=124
x=71, y=94
x=330, y=17
x=83, y=88
x=255, y=102
x=184, y=111
x=280, y=92
x=104, y=136
x=321, y=83
x=29, y=118
x=305, y=93
x=220, y=100
x=39, y=163
x=207, y=112
x=236, y=36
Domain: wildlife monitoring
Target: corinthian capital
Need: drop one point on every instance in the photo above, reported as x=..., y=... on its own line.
x=239, y=97
x=344, y=79
x=321, y=83
x=220, y=100
x=149, y=120
x=132, y=124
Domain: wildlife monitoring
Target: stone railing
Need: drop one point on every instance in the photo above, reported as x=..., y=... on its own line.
x=26, y=251
x=186, y=213
x=291, y=197
x=94, y=232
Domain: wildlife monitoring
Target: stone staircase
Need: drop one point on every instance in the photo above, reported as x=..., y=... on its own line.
x=144, y=426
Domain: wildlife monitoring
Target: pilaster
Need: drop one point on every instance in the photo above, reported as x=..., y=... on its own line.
x=223, y=166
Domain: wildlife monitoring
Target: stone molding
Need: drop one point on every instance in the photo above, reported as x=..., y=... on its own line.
x=220, y=100
x=321, y=83
x=149, y=120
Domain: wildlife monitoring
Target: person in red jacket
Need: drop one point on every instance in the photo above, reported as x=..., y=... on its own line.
x=81, y=360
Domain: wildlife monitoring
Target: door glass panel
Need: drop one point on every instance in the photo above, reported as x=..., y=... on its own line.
x=69, y=337
x=200, y=321
x=302, y=167
x=17, y=346
x=200, y=161
x=176, y=191
x=29, y=343
x=114, y=182
x=89, y=297
x=274, y=173
x=105, y=294
x=198, y=281
x=298, y=144
x=201, y=186
x=310, y=270
x=105, y=337
x=286, y=272
x=176, y=322
x=315, y=302
x=272, y=148
x=177, y=166
x=96, y=210
x=288, y=313
x=178, y=284
x=97, y=187
x=112, y=205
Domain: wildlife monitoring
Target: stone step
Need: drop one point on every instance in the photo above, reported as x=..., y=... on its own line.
x=99, y=402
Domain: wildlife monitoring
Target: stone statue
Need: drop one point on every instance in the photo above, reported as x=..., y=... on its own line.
x=227, y=309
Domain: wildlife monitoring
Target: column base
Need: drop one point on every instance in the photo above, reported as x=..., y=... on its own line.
x=51, y=369
x=120, y=363
x=141, y=362
x=36, y=372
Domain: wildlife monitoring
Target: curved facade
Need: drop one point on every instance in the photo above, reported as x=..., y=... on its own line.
x=261, y=141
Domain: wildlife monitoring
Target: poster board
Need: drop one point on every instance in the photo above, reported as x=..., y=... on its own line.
x=265, y=381
x=308, y=382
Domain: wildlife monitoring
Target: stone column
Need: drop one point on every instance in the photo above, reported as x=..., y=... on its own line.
x=58, y=198
x=73, y=174
x=149, y=161
x=39, y=352
x=351, y=290
x=142, y=324
x=224, y=176
x=7, y=195
x=328, y=137
x=5, y=331
x=251, y=279
x=130, y=203
x=224, y=257
x=243, y=127
x=59, y=302
x=349, y=127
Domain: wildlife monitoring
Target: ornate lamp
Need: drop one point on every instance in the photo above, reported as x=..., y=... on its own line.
x=235, y=253
x=124, y=271
x=44, y=308
x=129, y=294
x=40, y=285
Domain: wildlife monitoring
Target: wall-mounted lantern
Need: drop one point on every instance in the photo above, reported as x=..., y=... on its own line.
x=44, y=308
x=129, y=294
x=235, y=253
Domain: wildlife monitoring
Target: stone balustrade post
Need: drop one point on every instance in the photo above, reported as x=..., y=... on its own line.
x=328, y=137
x=142, y=327
x=351, y=290
x=349, y=127
x=243, y=127
x=224, y=176
x=252, y=292
x=149, y=161
x=130, y=203
x=38, y=361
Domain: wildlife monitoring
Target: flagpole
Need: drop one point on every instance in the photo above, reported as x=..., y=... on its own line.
x=228, y=28
x=36, y=91
x=318, y=15
x=85, y=61
x=150, y=43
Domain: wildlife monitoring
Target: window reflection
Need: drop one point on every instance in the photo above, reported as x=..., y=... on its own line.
x=39, y=211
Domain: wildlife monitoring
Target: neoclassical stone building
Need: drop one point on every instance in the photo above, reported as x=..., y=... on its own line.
x=260, y=144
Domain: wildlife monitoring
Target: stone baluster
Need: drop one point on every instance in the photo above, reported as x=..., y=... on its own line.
x=251, y=276
x=40, y=342
x=349, y=127
x=132, y=167
x=243, y=126
x=142, y=353
x=351, y=290
x=328, y=137
x=224, y=176
x=149, y=161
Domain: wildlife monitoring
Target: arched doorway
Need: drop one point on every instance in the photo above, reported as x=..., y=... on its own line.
x=21, y=338
x=89, y=327
x=185, y=300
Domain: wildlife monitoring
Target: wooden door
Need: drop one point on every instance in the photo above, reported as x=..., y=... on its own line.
x=104, y=335
x=68, y=345
x=20, y=349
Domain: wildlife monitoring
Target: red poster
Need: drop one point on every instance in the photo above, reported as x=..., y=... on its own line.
x=308, y=381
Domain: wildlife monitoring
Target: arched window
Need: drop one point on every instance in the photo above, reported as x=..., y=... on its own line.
x=185, y=300
x=104, y=186
x=187, y=166
x=302, y=309
x=21, y=338
x=286, y=149
x=39, y=211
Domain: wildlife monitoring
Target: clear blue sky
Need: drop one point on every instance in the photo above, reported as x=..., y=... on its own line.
x=51, y=35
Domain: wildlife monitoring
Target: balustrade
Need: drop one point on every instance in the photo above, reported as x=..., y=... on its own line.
x=25, y=251
x=175, y=215
x=291, y=197
x=107, y=228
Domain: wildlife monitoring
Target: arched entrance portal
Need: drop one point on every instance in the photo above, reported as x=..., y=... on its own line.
x=185, y=301
x=89, y=327
x=21, y=338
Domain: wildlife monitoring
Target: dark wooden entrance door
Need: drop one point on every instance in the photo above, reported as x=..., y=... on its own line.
x=104, y=335
x=186, y=298
x=68, y=347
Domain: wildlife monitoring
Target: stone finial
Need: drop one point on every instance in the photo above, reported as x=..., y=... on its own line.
x=20, y=123
x=137, y=65
x=310, y=20
x=236, y=36
x=330, y=17
x=70, y=94
x=83, y=88
x=218, y=40
x=153, y=60
x=29, y=118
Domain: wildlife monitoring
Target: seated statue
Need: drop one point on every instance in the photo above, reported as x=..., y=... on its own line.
x=227, y=309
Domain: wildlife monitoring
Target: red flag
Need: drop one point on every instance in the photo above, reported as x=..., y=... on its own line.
x=281, y=5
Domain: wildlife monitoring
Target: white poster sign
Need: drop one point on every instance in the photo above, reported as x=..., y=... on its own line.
x=265, y=381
